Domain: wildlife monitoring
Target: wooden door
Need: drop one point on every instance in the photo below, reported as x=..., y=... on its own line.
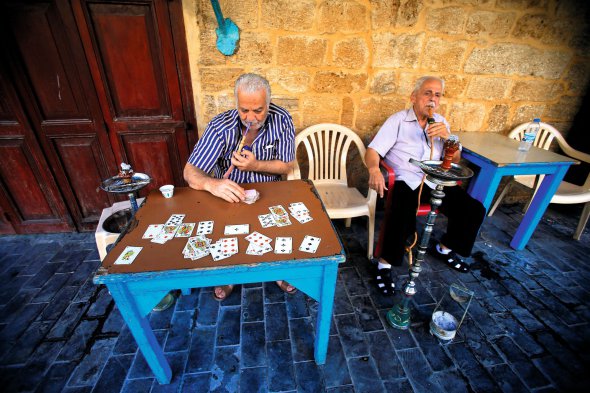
x=95, y=83
x=130, y=47
x=29, y=197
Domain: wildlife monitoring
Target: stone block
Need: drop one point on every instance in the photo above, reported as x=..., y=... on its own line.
x=517, y=59
x=577, y=78
x=310, y=377
x=338, y=82
x=302, y=343
x=455, y=85
x=384, y=13
x=526, y=113
x=277, y=325
x=320, y=109
x=486, y=88
x=383, y=82
x=251, y=380
x=442, y=55
x=351, y=336
x=281, y=377
x=254, y=48
x=226, y=101
x=447, y=20
x=396, y=50
x=301, y=51
x=239, y=11
x=409, y=12
x=490, y=23
x=373, y=111
x=342, y=16
x=218, y=79
x=546, y=28
x=228, y=326
x=350, y=53
x=532, y=90
x=288, y=15
x=364, y=375
x=209, y=55
x=498, y=118
x=253, y=341
x=566, y=108
x=467, y=116
x=289, y=103
x=289, y=80
x=200, y=356
x=348, y=108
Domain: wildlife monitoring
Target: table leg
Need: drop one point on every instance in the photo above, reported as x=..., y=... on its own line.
x=326, y=302
x=484, y=186
x=141, y=331
x=537, y=208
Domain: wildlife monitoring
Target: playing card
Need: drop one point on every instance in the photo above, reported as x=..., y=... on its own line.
x=283, y=245
x=267, y=220
x=185, y=229
x=216, y=250
x=278, y=210
x=251, y=196
x=205, y=228
x=297, y=207
x=128, y=255
x=258, y=238
x=152, y=231
x=282, y=221
x=229, y=245
x=241, y=229
x=254, y=249
x=167, y=233
x=310, y=244
x=302, y=217
x=175, y=219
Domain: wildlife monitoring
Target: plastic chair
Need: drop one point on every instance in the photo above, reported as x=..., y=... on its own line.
x=389, y=175
x=327, y=148
x=567, y=193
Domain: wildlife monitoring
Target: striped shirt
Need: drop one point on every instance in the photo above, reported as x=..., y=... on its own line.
x=275, y=141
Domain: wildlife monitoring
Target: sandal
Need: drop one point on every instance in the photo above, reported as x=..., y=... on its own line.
x=454, y=261
x=284, y=285
x=383, y=280
x=227, y=290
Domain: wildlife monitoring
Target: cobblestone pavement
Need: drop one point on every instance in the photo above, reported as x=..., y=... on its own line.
x=525, y=330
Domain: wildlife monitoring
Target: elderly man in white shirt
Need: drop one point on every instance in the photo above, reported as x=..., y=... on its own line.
x=411, y=134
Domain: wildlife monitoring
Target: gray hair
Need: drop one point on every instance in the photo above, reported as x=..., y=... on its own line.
x=251, y=83
x=426, y=78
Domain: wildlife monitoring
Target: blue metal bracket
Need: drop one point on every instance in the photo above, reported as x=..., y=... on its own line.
x=228, y=33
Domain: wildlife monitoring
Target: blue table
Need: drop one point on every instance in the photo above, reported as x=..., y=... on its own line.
x=158, y=269
x=498, y=156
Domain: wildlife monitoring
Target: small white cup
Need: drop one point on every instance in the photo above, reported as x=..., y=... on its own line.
x=167, y=190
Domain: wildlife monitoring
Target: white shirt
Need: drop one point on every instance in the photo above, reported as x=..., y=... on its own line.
x=401, y=138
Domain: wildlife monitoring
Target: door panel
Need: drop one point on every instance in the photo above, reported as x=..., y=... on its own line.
x=133, y=53
x=29, y=197
x=56, y=87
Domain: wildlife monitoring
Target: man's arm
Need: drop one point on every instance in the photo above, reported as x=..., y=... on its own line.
x=222, y=188
x=376, y=180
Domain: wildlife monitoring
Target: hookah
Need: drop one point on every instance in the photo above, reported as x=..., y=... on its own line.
x=443, y=173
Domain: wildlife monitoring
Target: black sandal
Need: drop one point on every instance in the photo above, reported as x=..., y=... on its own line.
x=454, y=261
x=383, y=280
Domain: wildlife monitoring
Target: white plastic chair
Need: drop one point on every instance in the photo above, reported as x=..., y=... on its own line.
x=567, y=193
x=327, y=149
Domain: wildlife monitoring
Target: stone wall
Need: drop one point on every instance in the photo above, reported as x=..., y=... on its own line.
x=354, y=62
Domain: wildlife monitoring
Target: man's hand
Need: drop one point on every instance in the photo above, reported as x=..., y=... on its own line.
x=438, y=129
x=377, y=181
x=245, y=161
x=226, y=189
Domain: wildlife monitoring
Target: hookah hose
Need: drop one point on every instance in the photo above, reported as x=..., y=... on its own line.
x=410, y=247
x=239, y=149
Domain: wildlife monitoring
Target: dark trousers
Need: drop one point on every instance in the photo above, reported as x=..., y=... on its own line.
x=465, y=215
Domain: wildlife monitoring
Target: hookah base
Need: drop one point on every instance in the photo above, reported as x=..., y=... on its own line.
x=399, y=317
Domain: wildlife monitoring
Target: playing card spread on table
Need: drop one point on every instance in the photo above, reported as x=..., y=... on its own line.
x=278, y=210
x=165, y=234
x=310, y=244
x=255, y=249
x=128, y=255
x=224, y=248
x=302, y=217
x=283, y=245
x=205, y=228
x=298, y=207
x=196, y=247
x=282, y=221
x=185, y=229
x=241, y=229
x=267, y=220
x=152, y=231
x=175, y=219
x=258, y=238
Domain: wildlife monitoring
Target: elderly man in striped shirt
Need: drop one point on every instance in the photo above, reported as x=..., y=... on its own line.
x=268, y=134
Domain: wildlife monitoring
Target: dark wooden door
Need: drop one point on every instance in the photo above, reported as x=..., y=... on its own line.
x=97, y=83
x=131, y=51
